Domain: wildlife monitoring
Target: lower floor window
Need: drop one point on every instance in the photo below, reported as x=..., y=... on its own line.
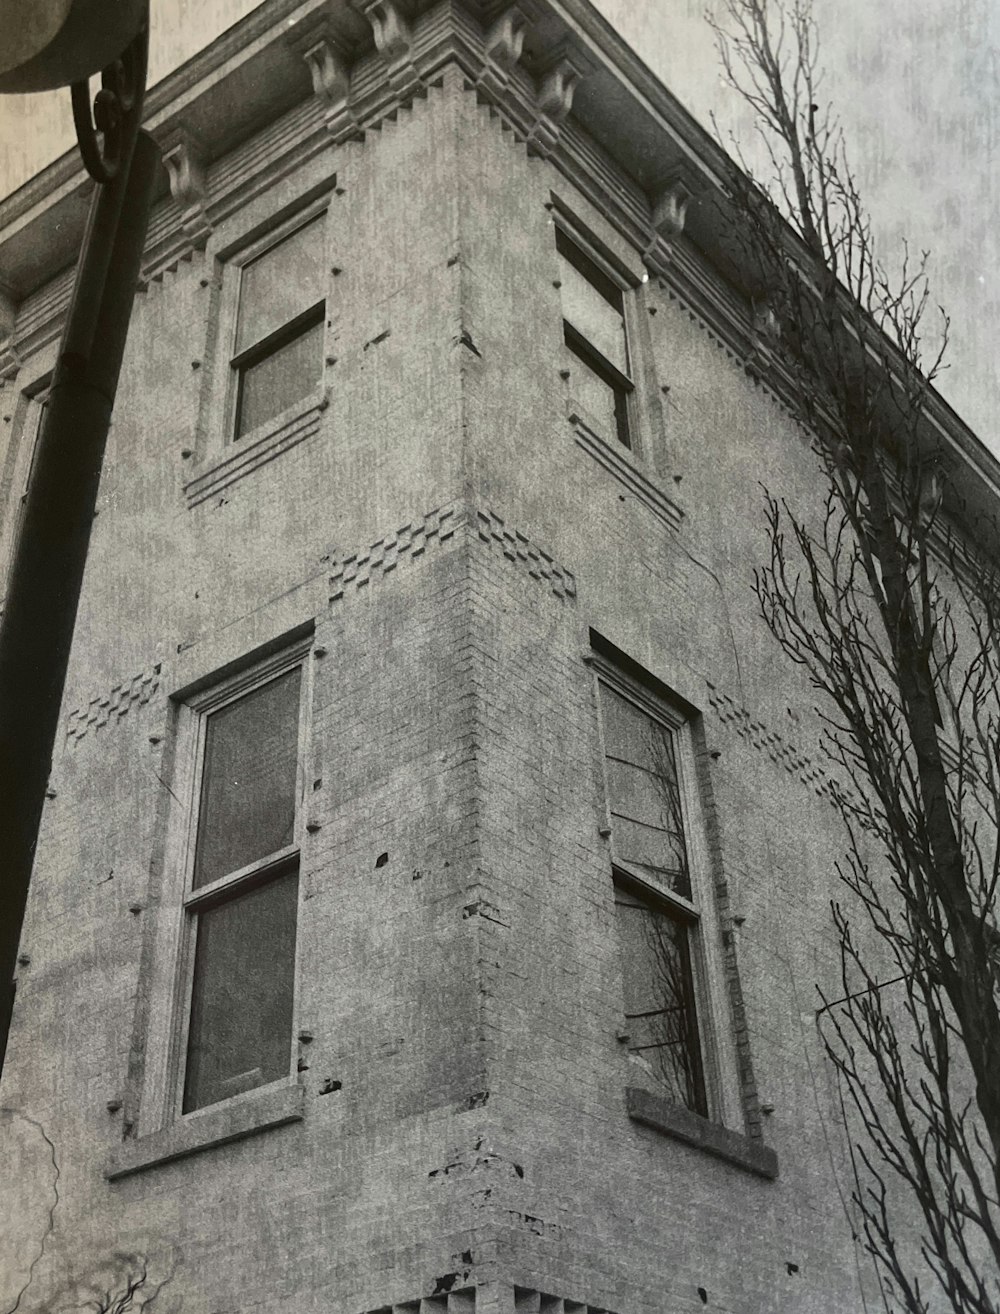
x=652, y=803
x=660, y=1014
x=242, y=884
x=242, y=992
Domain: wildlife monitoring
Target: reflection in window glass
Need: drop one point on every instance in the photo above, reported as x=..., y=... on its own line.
x=644, y=792
x=659, y=1000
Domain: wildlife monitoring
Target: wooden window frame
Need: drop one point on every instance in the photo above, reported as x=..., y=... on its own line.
x=723, y=1102
x=598, y=274
x=192, y=736
x=262, y=348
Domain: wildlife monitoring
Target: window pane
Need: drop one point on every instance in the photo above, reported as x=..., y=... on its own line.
x=280, y=285
x=241, y=1004
x=659, y=1001
x=248, y=787
x=604, y=402
x=644, y=793
x=595, y=314
x=283, y=377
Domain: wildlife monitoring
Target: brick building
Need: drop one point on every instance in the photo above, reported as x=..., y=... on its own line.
x=435, y=876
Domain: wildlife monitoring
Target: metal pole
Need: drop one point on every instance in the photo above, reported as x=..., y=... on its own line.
x=47, y=571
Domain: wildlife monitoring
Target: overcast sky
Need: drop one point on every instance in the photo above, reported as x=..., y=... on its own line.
x=916, y=84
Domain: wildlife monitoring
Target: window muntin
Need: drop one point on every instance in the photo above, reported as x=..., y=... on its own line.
x=656, y=915
x=240, y=908
x=594, y=331
x=278, y=350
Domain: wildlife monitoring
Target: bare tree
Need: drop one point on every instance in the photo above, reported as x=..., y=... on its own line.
x=889, y=600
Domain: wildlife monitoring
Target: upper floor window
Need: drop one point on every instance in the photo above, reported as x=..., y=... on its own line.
x=594, y=331
x=278, y=352
x=15, y=475
x=241, y=898
x=656, y=911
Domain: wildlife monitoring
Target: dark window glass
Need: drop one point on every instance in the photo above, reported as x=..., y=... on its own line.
x=659, y=999
x=248, y=786
x=241, y=1003
x=281, y=375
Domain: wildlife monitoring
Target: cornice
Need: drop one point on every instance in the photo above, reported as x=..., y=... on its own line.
x=322, y=72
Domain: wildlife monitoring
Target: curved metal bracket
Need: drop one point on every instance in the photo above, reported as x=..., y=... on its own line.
x=106, y=133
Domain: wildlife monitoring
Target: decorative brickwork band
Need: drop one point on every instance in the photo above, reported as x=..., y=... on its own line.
x=412, y=540
x=782, y=753
x=385, y=554
x=114, y=705
x=516, y=547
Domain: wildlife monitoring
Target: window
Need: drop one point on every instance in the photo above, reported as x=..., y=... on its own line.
x=16, y=475
x=594, y=331
x=278, y=353
x=241, y=895
x=656, y=914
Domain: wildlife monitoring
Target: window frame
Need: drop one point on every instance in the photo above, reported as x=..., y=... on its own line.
x=723, y=1101
x=584, y=257
x=192, y=726
x=18, y=467
x=260, y=349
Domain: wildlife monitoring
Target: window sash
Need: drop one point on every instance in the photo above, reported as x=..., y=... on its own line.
x=248, y=417
x=234, y=885
x=278, y=285
x=667, y=1037
x=240, y=1002
x=613, y=412
x=668, y=881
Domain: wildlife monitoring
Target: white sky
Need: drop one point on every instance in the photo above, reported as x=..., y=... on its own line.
x=916, y=83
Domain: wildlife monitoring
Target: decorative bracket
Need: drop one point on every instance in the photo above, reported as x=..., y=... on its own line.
x=502, y=47
x=669, y=213
x=555, y=99
x=184, y=160
x=766, y=335
x=394, y=42
x=327, y=58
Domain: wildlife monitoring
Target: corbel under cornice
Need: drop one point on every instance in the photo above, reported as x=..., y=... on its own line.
x=393, y=29
x=503, y=46
x=329, y=59
x=558, y=80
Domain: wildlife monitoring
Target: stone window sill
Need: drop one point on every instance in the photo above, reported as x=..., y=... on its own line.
x=683, y=1125
x=232, y=1121
x=621, y=462
x=258, y=447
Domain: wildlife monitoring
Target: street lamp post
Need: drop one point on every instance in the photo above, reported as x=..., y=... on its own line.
x=36, y=630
